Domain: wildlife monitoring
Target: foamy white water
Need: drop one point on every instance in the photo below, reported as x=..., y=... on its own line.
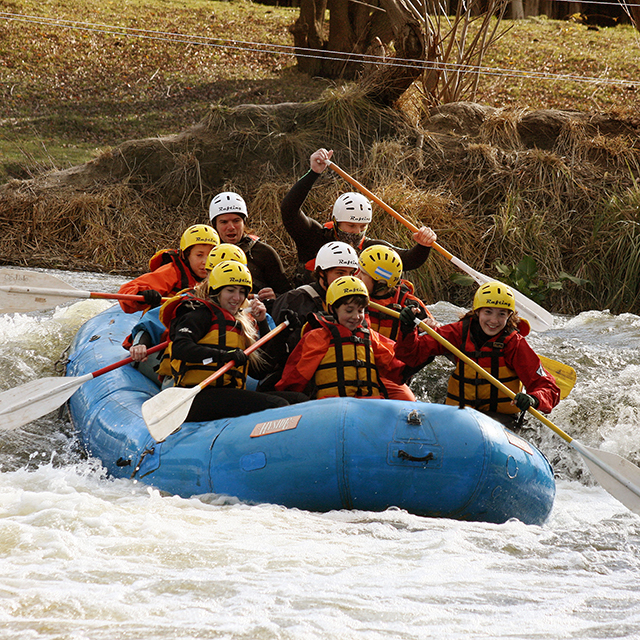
x=84, y=556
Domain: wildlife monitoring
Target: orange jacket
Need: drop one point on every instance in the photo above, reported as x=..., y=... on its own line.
x=166, y=280
x=303, y=363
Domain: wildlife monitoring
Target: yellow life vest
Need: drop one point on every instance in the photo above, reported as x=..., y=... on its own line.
x=348, y=369
x=468, y=388
x=225, y=332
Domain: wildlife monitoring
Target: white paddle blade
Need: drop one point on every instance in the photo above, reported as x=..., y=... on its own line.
x=24, y=291
x=35, y=399
x=619, y=476
x=166, y=411
x=539, y=319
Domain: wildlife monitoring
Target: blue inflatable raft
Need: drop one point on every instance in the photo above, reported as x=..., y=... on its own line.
x=342, y=453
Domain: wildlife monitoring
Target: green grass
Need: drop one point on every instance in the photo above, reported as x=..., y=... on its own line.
x=66, y=94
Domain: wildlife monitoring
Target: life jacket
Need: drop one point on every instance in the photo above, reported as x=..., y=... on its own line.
x=397, y=299
x=225, y=332
x=246, y=243
x=310, y=265
x=468, y=388
x=166, y=256
x=348, y=369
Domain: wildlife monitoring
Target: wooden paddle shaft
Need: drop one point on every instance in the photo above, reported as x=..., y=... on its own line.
x=381, y=203
x=71, y=293
x=474, y=365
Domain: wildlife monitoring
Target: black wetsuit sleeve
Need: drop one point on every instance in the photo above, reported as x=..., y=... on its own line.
x=270, y=272
x=412, y=258
x=303, y=229
x=189, y=326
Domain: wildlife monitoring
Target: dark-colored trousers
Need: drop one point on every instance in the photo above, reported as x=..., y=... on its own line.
x=214, y=403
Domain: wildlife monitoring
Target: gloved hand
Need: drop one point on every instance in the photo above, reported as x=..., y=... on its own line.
x=407, y=321
x=293, y=318
x=152, y=298
x=238, y=355
x=523, y=401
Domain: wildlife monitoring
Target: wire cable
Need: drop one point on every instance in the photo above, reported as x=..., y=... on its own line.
x=258, y=47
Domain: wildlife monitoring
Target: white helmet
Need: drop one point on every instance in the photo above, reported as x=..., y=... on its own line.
x=336, y=254
x=227, y=202
x=352, y=207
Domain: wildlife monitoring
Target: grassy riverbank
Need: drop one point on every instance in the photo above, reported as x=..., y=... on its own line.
x=68, y=93
x=479, y=175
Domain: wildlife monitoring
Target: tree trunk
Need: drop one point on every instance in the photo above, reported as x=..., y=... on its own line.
x=387, y=84
x=517, y=10
x=357, y=29
x=531, y=8
x=308, y=34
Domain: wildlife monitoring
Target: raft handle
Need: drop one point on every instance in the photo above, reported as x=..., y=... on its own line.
x=403, y=455
x=414, y=418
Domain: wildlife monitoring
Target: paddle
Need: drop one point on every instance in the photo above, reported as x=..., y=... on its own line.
x=539, y=319
x=24, y=291
x=617, y=475
x=166, y=411
x=564, y=374
x=35, y=399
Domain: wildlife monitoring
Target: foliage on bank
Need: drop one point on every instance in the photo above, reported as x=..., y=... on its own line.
x=497, y=185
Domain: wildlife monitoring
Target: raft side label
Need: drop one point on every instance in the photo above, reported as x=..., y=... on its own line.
x=274, y=426
x=517, y=441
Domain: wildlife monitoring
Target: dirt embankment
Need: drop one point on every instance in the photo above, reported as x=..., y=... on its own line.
x=497, y=185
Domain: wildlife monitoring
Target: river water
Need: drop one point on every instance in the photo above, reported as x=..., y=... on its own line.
x=84, y=556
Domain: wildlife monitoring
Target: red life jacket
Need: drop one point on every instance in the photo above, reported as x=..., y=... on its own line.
x=397, y=299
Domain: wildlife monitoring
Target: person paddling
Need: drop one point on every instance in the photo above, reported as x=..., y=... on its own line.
x=494, y=336
x=228, y=215
x=337, y=354
x=351, y=215
x=209, y=328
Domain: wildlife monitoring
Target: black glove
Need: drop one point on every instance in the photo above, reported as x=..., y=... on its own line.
x=152, y=298
x=293, y=318
x=238, y=355
x=523, y=401
x=407, y=321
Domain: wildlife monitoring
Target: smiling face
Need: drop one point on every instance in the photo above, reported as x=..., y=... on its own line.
x=493, y=320
x=230, y=227
x=350, y=315
x=230, y=298
x=198, y=259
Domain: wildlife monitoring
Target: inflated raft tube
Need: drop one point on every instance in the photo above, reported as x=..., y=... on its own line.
x=335, y=453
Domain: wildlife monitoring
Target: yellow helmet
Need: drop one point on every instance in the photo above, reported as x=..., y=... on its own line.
x=494, y=294
x=225, y=251
x=382, y=263
x=199, y=234
x=230, y=274
x=346, y=286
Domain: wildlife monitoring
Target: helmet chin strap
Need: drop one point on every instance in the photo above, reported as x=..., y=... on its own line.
x=353, y=239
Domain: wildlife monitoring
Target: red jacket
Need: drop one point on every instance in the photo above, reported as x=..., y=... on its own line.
x=415, y=349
